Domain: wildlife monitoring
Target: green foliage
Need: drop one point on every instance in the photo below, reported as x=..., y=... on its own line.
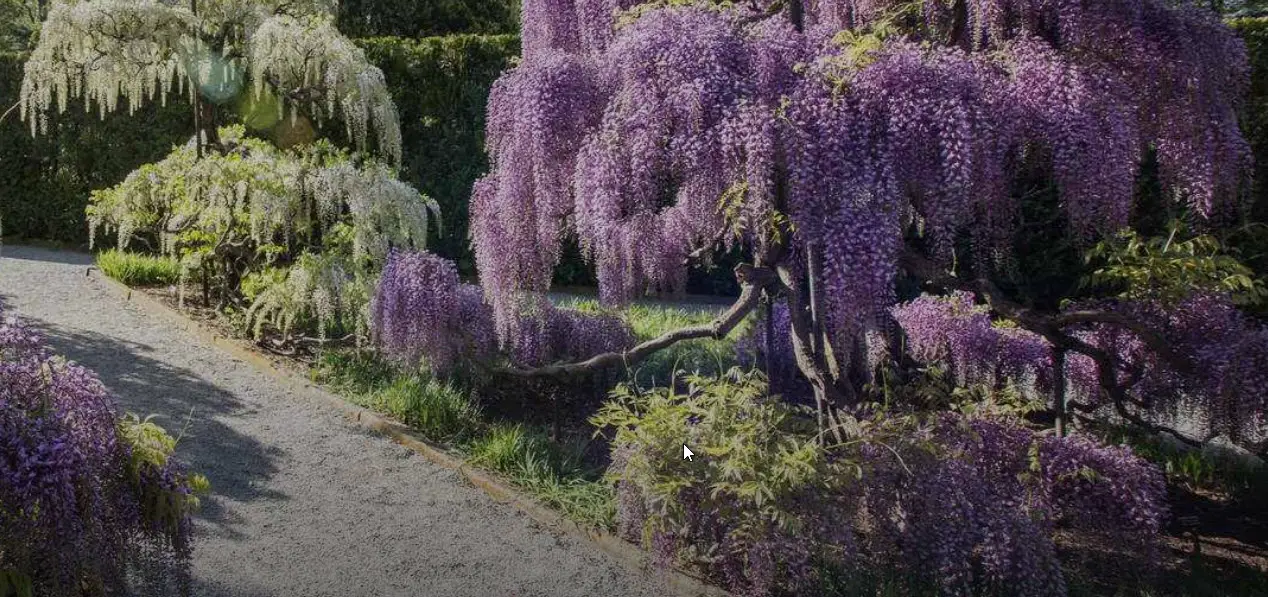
x=437, y=409
x=1171, y=267
x=932, y=388
x=302, y=228
x=317, y=291
x=409, y=18
x=353, y=372
x=151, y=448
x=556, y=474
x=135, y=269
x=15, y=584
x=755, y=453
x=19, y=23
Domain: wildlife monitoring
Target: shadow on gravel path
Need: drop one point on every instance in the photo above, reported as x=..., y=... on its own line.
x=302, y=504
x=184, y=404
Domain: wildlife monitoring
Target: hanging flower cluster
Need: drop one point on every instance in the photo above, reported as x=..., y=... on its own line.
x=422, y=312
x=86, y=501
x=1219, y=393
x=655, y=131
x=134, y=51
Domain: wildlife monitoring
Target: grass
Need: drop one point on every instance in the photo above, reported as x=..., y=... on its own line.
x=135, y=269
x=554, y=473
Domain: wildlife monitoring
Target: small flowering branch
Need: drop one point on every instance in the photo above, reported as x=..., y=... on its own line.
x=1052, y=327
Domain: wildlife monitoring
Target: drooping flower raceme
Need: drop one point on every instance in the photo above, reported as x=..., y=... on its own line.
x=421, y=311
x=961, y=333
x=109, y=52
x=660, y=131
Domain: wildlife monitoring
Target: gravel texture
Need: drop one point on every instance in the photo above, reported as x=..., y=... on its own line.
x=302, y=504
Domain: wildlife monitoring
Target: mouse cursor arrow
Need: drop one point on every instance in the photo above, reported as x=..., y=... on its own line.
x=687, y=453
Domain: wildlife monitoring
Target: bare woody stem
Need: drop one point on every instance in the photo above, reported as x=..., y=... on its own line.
x=1052, y=327
x=753, y=280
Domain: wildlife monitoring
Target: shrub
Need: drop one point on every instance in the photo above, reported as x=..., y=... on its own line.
x=86, y=501
x=135, y=269
x=756, y=501
x=325, y=217
x=959, y=502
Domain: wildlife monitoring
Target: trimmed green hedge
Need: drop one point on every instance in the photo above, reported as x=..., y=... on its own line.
x=415, y=18
x=1254, y=32
x=440, y=85
x=45, y=180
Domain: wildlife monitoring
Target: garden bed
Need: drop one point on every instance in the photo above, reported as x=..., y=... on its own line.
x=1229, y=531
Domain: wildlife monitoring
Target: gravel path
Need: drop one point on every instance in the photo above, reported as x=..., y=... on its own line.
x=303, y=505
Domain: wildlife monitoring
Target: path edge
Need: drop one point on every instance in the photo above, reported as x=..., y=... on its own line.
x=624, y=552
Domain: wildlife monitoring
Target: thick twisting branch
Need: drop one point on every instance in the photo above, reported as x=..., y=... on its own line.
x=753, y=280
x=1045, y=324
x=1053, y=328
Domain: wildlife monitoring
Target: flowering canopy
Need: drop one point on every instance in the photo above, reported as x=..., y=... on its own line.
x=657, y=133
x=105, y=51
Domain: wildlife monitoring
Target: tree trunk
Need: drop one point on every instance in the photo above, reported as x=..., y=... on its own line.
x=1058, y=389
x=812, y=364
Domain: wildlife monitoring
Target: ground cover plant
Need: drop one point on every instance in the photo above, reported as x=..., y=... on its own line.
x=136, y=269
x=90, y=504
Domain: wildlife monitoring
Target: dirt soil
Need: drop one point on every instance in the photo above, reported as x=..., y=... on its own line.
x=302, y=504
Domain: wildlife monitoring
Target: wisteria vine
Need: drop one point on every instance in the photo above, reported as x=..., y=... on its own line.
x=658, y=133
x=83, y=506
x=422, y=313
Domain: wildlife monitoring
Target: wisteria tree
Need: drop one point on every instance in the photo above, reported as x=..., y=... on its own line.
x=845, y=145
x=136, y=51
x=295, y=228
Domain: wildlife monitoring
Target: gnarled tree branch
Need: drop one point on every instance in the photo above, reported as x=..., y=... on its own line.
x=753, y=280
x=1048, y=325
x=1052, y=327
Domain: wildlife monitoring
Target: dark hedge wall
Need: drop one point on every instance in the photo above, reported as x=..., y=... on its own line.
x=422, y=18
x=45, y=180
x=440, y=85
